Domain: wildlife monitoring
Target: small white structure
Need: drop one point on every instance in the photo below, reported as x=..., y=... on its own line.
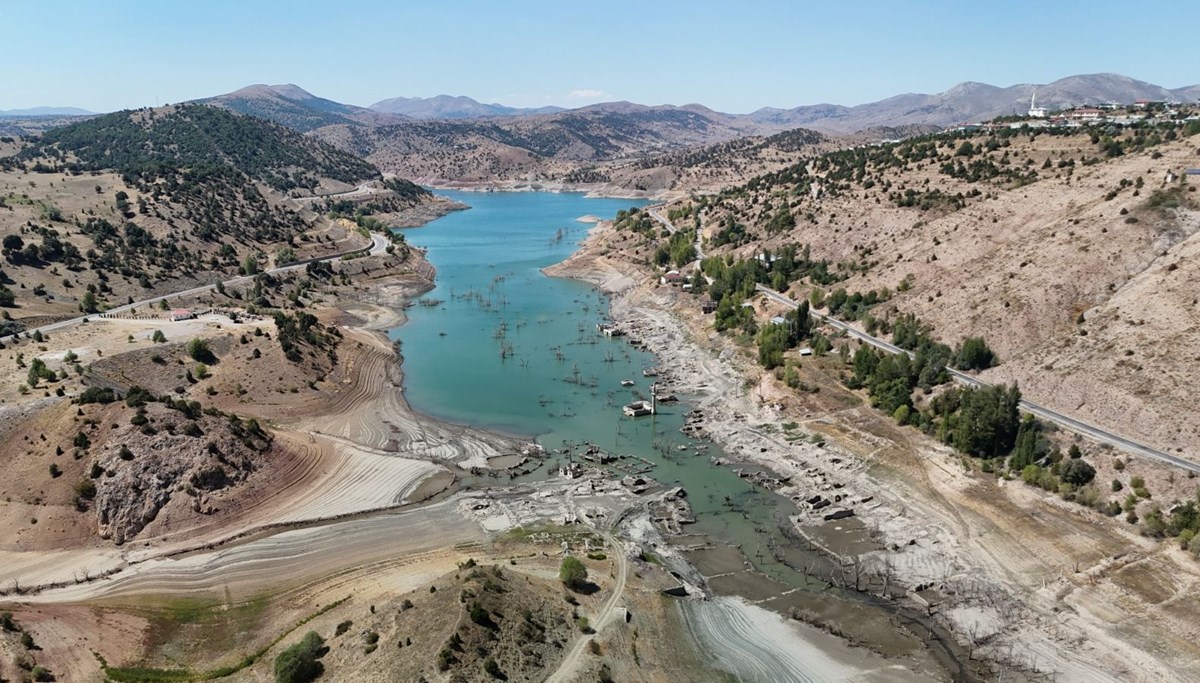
x=180, y=314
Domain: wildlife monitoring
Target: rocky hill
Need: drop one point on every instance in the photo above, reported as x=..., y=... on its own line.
x=707, y=168
x=499, y=149
x=292, y=106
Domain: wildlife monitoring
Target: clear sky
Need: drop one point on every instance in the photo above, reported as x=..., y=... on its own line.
x=733, y=56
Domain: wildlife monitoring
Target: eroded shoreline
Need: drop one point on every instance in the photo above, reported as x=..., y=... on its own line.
x=934, y=528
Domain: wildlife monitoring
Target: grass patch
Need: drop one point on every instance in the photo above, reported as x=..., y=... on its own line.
x=134, y=674
x=650, y=557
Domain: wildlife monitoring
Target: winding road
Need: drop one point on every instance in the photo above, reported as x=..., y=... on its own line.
x=362, y=190
x=1071, y=423
x=379, y=244
x=672, y=229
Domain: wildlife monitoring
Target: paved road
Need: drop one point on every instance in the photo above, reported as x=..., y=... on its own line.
x=379, y=244
x=1064, y=420
x=361, y=190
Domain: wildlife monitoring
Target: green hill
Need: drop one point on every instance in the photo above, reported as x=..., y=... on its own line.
x=149, y=144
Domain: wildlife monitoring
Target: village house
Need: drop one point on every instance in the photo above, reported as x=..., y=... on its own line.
x=671, y=277
x=1084, y=114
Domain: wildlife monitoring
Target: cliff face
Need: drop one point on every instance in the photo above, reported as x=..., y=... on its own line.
x=188, y=461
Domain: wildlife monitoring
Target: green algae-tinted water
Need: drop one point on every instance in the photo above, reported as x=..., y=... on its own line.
x=499, y=345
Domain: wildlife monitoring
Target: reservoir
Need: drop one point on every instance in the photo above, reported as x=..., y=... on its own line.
x=499, y=345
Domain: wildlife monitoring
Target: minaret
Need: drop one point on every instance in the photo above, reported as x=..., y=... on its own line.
x=1034, y=110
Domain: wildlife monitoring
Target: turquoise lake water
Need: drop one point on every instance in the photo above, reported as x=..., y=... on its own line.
x=497, y=344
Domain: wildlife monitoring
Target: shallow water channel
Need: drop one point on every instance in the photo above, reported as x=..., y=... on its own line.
x=499, y=345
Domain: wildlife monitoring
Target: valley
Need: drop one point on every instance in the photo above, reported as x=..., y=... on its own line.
x=448, y=391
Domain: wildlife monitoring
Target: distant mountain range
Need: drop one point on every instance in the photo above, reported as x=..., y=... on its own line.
x=299, y=109
x=458, y=139
x=971, y=102
x=451, y=107
x=46, y=111
x=455, y=139
x=965, y=102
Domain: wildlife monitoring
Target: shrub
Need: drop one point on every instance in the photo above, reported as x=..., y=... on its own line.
x=1077, y=472
x=572, y=573
x=298, y=663
x=96, y=395
x=479, y=615
x=492, y=668
x=85, y=489
x=198, y=350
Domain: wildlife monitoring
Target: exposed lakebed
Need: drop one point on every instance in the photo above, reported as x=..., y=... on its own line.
x=499, y=345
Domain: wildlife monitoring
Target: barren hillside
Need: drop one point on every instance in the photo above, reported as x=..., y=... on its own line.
x=1071, y=251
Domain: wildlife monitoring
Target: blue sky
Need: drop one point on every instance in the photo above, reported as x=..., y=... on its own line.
x=732, y=56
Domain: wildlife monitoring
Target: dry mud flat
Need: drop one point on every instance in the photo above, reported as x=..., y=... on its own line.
x=275, y=562
x=759, y=646
x=1033, y=584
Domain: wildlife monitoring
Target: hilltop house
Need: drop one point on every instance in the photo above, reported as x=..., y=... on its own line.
x=1084, y=114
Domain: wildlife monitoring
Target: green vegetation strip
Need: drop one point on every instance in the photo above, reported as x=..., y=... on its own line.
x=153, y=675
